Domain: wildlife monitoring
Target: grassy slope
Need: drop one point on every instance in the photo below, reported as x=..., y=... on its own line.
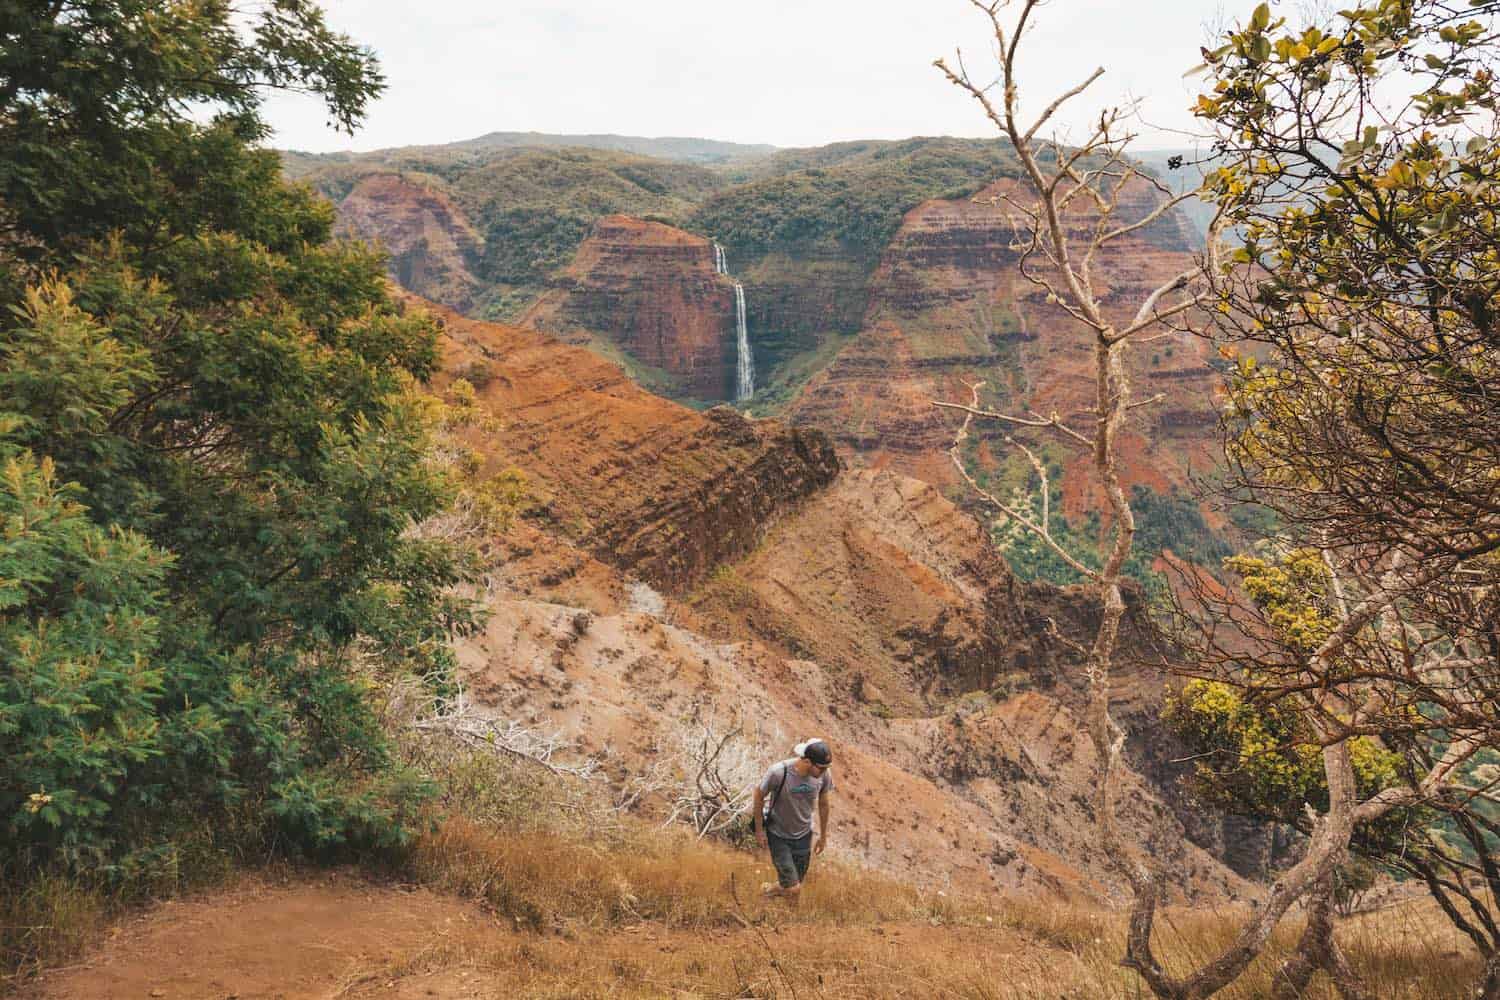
x=602, y=903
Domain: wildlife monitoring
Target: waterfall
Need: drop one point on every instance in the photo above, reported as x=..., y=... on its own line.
x=745, y=366
x=744, y=369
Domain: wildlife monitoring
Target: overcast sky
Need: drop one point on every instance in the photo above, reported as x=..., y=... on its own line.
x=786, y=72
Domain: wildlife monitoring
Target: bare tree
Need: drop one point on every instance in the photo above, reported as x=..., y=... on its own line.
x=704, y=770
x=1068, y=210
x=458, y=719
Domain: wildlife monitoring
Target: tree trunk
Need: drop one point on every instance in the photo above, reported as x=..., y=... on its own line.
x=1318, y=949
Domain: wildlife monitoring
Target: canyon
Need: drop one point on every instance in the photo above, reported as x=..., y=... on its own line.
x=682, y=566
x=675, y=569
x=854, y=330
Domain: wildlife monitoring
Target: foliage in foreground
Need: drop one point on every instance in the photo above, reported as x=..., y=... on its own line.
x=212, y=457
x=1359, y=158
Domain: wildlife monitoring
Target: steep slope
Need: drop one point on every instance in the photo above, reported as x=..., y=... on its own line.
x=430, y=241
x=863, y=606
x=527, y=209
x=950, y=307
x=654, y=292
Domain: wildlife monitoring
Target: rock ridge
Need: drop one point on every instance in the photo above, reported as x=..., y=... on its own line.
x=651, y=487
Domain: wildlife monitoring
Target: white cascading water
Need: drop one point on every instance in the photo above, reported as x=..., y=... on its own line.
x=744, y=369
x=745, y=366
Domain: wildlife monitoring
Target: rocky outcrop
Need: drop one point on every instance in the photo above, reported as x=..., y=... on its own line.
x=949, y=306
x=430, y=242
x=651, y=289
x=646, y=485
x=888, y=585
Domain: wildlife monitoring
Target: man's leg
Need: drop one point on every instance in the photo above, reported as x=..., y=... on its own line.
x=801, y=858
x=782, y=856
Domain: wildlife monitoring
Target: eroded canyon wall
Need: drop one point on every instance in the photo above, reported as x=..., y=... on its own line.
x=653, y=291
x=654, y=488
x=950, y=307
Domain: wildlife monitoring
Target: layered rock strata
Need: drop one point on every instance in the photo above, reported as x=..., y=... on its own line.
x=653, y=488
x=653, y=291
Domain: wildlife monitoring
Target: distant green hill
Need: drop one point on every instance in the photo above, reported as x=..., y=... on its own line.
x=677, y=149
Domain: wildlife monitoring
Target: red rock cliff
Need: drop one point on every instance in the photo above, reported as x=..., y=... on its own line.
x=652, y=290
x=949, y=306
x=429, y=240
x=652, y=487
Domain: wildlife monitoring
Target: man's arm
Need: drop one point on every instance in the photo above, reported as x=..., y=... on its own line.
x=822, y=822
x=755, y=815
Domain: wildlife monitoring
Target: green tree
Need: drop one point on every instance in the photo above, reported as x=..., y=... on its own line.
x=99, y=109
x=217, y=448
x=1358, y=156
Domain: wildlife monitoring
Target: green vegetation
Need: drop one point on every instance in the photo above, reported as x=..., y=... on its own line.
x=1164, y=522
x=212, y=453
x=846, y=199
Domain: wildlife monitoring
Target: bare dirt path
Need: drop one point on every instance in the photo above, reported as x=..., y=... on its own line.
x=343, y=938
x=293, y=941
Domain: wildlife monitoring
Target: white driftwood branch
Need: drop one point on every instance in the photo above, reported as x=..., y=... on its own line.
x=459, y=720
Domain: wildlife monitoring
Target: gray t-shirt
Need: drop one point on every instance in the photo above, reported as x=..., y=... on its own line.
x=791, y=814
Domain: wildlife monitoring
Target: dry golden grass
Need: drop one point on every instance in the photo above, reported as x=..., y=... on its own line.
x=638, y=873
x=46, y=921
x=650, y=914
x=603, y=906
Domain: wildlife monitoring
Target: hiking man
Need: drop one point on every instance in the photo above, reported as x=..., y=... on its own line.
x=782, y=814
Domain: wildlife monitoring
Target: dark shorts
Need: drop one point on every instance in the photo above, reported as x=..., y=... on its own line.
x=791, y=856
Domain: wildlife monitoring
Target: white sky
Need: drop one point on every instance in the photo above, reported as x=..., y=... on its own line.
x=786, y=72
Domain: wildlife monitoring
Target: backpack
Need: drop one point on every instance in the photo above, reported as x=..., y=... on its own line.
x=771, y=803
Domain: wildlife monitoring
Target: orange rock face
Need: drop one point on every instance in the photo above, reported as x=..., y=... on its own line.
x=646, y=485
x=949, y=306
x=797, y=599
x=652, y=290
x=429, y=240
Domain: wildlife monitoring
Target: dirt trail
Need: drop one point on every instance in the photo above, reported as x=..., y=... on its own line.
x=341, y=938
x=294, y=941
